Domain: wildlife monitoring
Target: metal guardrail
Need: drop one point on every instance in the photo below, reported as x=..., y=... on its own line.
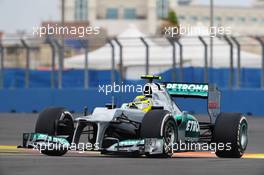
x=262, y=64
x=181, y=60
x=121, y=71
x=119, y=43
x=27, y=47
x=174, y=74
x=238, y=61
x=60, y=65
x=231, y=68
x=113, y=61
x=53, y=57
x=205, y=59
x=147, y=54
x=1, y=66
x=85, y=46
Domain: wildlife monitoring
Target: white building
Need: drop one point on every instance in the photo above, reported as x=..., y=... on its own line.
x=258, y=3
x=241, y=20
x=116, y=15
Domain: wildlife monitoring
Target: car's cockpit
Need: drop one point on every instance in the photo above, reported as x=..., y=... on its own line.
x=153, y=94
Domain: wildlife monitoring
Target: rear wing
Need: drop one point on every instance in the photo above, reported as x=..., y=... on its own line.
x=198, y=90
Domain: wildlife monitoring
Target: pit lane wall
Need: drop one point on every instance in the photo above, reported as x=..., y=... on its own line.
x=247, y=101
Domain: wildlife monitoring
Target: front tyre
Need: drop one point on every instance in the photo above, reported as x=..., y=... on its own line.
x=231, y=129
x=55, y=122
x=161, y=125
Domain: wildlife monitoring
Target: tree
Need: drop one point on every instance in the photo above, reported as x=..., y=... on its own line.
x=172, y=18
x=171, y=22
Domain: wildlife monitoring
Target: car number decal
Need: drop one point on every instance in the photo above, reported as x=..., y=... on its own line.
x=192, y=126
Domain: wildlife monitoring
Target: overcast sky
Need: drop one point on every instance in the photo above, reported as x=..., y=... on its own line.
x=25, y=14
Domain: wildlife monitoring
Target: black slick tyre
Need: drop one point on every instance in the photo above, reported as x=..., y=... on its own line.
x=55, y=122
x=159, y=124
x=231, y=130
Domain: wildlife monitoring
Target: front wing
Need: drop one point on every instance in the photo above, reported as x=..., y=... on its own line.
x=43, y=141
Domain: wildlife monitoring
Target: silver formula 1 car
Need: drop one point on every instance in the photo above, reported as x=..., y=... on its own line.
x=152, y=125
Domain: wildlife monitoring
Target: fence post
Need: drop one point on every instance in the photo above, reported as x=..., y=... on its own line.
x=113, y=61
x=85, y=45
x=147, y=54
x=181, y=60
x=60, y=68
x=171, y=41
x=205, y=59
x=231, y=75
x=121, y=71
x=262, y=62
x=238, y=61
x=2, y=66
x=26, y=46
x=50, y=42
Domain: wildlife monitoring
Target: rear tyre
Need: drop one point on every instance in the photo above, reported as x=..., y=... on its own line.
x=231, y=129
x=159, y=124
x=55, y=122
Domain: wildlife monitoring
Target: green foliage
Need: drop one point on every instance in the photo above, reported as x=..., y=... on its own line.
x=172, y=18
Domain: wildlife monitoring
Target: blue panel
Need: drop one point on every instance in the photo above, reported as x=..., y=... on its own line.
x=76, y=44
x=14, y=78
x=130, y=13
x=28, y=100
x=112, y=13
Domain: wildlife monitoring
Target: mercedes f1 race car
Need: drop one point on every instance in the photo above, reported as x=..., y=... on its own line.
x=151, y=125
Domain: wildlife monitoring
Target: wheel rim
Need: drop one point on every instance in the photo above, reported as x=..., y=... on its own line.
x=243, y=136
x=169, y=132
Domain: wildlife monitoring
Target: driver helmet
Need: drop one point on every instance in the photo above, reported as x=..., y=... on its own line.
x=141, y=102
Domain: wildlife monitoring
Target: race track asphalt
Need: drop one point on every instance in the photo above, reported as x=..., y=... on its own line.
x=15, y=162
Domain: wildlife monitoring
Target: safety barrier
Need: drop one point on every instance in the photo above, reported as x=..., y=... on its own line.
x=247, y=101
x=120, y=49
x=14, y=78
